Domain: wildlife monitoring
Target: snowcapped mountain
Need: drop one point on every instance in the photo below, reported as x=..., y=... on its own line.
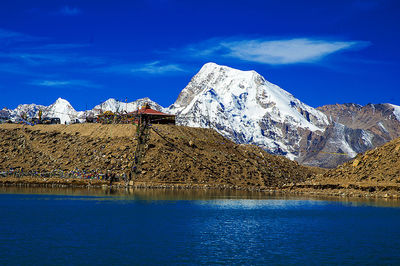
x=61, y=109
x=244, y=107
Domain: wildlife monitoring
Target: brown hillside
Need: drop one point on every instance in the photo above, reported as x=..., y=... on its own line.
x=378, y=166
x=173, y=155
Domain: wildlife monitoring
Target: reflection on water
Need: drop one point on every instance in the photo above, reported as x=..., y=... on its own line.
x=252, y=204
x=221, y=198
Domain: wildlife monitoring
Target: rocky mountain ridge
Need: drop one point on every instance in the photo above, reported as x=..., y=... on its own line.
x=380, y=119
x=353, y=129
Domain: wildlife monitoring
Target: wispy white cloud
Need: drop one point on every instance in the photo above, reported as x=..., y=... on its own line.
x=70, y=11
x=64, y=83
x=60, y=46
x=152, y=68
x=157, y=68
x=13, y=68
x=274, y=52
x=37, y=59
x=50, y=83
x=8, y=36
x=284, y=51
x=28, y=55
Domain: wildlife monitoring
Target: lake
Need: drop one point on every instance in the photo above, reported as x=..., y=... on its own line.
x=157, y=227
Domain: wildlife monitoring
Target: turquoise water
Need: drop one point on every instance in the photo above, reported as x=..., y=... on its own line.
x=158, y=228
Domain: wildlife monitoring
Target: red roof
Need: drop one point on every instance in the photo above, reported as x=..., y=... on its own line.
x=148, y=111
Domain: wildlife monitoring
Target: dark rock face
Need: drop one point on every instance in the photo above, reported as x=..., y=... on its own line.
x=335, y=146
x=5, y=114
x=376, y=118
x=381, y=164
x=354, y=129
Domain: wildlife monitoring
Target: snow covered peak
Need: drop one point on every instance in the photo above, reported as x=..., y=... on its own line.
x=213, y=67
x=246, y=108
x=62, y=109
x=61, y=105
x=246, y=94
x=61, y=101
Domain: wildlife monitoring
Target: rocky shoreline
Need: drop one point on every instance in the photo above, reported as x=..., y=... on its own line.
x=303, y=189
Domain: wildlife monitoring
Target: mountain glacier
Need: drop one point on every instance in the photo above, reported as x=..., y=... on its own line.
x=244, y=107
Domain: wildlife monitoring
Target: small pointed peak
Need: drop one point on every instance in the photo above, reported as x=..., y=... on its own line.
x=210, y=66
x=144, y=99
x=61, y=101
x=112, y=100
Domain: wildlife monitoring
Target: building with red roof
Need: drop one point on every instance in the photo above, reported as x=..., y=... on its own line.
x=146, y=114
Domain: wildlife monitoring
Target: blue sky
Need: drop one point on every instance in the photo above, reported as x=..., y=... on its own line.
x=323, y=52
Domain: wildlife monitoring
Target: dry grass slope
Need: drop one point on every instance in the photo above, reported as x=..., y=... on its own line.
x=380, y=165
x=174, y=155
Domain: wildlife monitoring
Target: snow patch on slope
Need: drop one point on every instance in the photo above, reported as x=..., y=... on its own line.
x=383, y=127
x=340, y=142
x=396, y=111
x=367, y=137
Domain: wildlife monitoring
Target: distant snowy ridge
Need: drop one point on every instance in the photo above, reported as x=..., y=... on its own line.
x=30, y=110
x=118, y=106
x=62, y=109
